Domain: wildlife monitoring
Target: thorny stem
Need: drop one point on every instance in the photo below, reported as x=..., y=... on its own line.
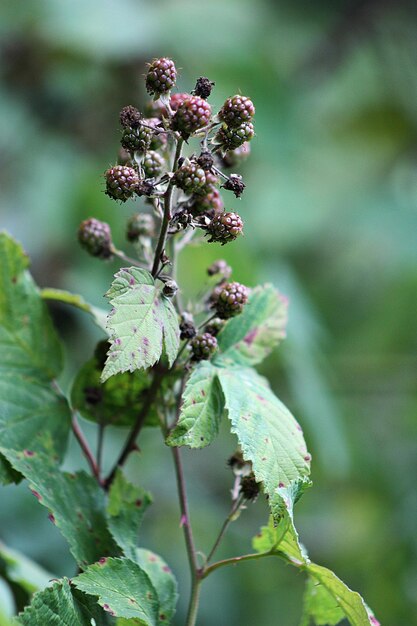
x=227, y=521
x=167, y=213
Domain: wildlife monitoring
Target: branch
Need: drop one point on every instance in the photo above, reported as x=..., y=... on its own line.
x=227, y=521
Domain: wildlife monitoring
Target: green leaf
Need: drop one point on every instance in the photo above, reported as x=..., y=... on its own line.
x=268, y=434
x=334, y=600
x=66, y=297
x=125, y=510
x=201, y=410
x=21, y=570
x=162, y=579
x=142, y=323
x=75, y=501
x=117, y=401
x=320, y=606
x=32, y=413
x=61, y=605
x=248, y=338
x=123, y=589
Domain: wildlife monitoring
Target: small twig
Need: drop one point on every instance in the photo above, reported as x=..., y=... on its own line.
x=234, y=561
x=79, y=435
x=100, y=441
x=127, y=259
x=227, y=521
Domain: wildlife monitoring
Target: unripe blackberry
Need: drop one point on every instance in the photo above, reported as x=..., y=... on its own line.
x=95, y=237
x=214, y=327
x=130, y=117
x=170, y=288
x=203, y=87
x=203, y=346
x=237, y=110
x=235, y=184
x=231, y=138
x=153, y=164
x=249, y=487
x=187, y=326
x=237, y=156
x=210, y=183
x=210, y=203
x=161, y=76
x=177, y=99
x=137, y=139
x=140, y=225
x=225, y=227
x=229, y=299
x=121, y=182
x=192, y=114
x=206, y=160
x=219, y=267
x=190, y=177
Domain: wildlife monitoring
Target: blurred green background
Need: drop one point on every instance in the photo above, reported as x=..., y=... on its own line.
x=331, y=215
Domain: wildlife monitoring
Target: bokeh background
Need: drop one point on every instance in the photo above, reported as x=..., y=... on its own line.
x=331, y=219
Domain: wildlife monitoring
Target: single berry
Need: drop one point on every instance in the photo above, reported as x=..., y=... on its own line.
x=229, y=299
x=170, y=288
x=161, y=76
x=192, y=114
x=206, y=160
x=235, y=183
x=225, y=227
x=237, y=110
x=249, y=487
x=140, y=225
x=214, y=327
x=203, y=87
x=219, y=267
x=121, y=182
x=210, y=183
x=231, y=138
x=177, y=99
x=137, y=139
x=190, y=177
x=95, y=237
x=153, y=164
x=236, y=156
x=130, y=117
x=203, y=346
x=210, y=203
x=187, y=326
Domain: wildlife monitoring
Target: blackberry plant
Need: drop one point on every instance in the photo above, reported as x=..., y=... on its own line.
x=159, y=364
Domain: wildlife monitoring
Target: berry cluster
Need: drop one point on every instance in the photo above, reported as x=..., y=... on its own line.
x=180, y=192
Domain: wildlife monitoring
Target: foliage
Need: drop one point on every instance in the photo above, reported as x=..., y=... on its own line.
x=148, y=372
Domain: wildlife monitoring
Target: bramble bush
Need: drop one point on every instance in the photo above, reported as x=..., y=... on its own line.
x=161, y=365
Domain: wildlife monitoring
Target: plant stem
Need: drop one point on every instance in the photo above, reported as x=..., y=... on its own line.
x=167, y=212
x=234, y=561
x=127, y=259
x=194, y=603
x=131, y=440
x=85, y=447
x=224, y=527
x=189, y=540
